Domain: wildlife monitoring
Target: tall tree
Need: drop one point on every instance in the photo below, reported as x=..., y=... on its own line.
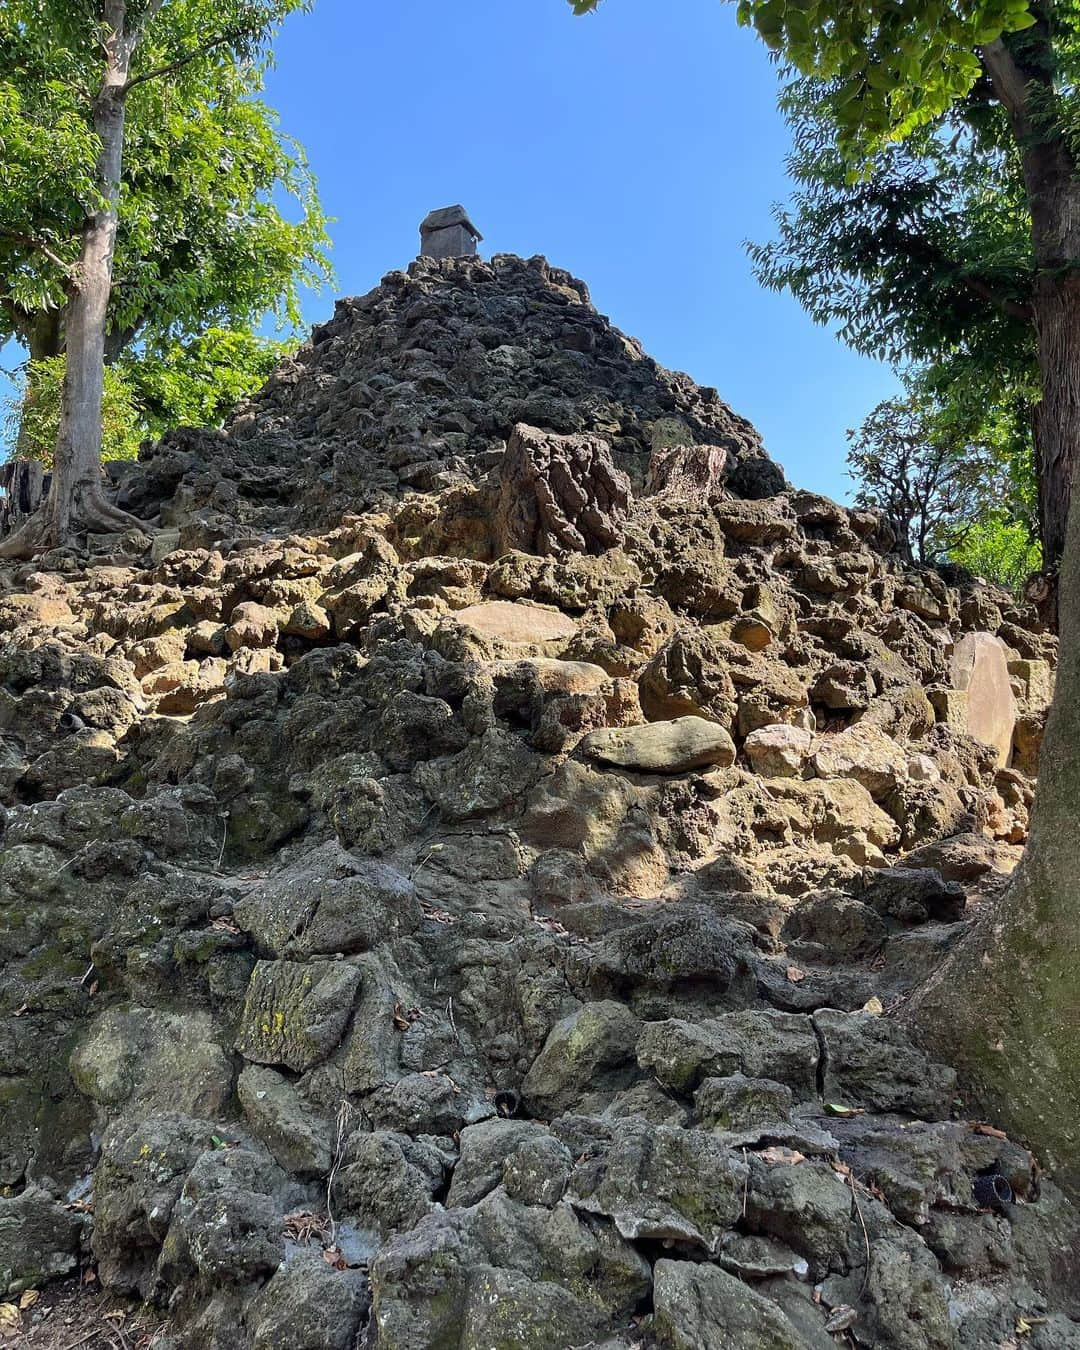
x=71, y=73
x=925, y=256
x=934, y=467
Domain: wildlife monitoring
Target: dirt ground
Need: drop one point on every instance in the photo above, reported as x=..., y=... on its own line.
x=75, y=1315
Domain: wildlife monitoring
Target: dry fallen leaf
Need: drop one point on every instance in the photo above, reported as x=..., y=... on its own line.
x=789, y=1156
x=333, y=1257
x=28, y=1298
x=991, y=1131
x=9, y=1315
x=873, y=1006
x=841, y=1319
x=795, y=975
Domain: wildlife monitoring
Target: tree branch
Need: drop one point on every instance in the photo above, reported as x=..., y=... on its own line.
x=1009, y=84
x=39, y=246
x=187, y=57
x=930, y=254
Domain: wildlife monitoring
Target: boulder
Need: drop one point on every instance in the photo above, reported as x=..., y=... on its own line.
x=308, y=1305
x=701, y=1307
x=872, y=1063
x=295, y=1014
x=513, y=630
x=679, y=746
x=779, y=750
x=590, y=1051
x=865, y=754
x=559, y=493
x=979, y=668
x=39, y=1240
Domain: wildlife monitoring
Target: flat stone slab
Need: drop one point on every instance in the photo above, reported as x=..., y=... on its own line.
x=979, y=668
x=662, y=747
x=507, y=625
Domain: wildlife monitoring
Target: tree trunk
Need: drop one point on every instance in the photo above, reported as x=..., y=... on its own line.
x=1057, y=417
x=77, y=499
x=1022, y=71
x=1004, y=1008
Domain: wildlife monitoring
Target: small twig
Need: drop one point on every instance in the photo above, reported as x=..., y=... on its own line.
x=224, y=840
x=344, y=1117
x=74, y=857
x=866, y=1235
x=746, y=1183
x=450, y=1014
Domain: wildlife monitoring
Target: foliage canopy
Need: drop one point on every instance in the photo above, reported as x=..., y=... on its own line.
x=219, y=220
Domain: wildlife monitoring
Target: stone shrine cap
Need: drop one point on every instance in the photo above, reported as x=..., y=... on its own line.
x=448, y=233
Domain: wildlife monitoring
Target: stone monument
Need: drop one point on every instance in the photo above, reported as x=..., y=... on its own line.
x=448, y=233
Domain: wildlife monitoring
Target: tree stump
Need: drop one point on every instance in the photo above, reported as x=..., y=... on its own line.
x=25, y=485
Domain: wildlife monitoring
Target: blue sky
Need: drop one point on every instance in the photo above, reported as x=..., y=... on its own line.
x=638, y=148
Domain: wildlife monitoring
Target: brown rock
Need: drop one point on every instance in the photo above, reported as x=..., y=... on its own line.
x=559, y=494
x=518, y=629
x=979, y=668
x=662, y=747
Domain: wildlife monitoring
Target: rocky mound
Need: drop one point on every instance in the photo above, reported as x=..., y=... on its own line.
x=416, y=386
x=476, y=920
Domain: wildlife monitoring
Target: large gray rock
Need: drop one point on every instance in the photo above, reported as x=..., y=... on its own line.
x=759, y=1044
x=590, y=1051
x=308, y=1305
x=308, y=914
x=159, y=1059
x=559, y=494
x=295, y=1014
x=870, y=1062
x=661, y=747
x=39, y=1240
x=663, y=1184
x=504, y=1308
x=701, y=1307
x=299, y=1138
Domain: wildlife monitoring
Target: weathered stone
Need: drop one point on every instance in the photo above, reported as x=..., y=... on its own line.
x=979, y=668
x=692, y=475
x=295, y=1134
x=661, y=747
x=865, y=754
x=559, y=493
x=517, y=630
x=700, y=1307
x=308, y=1305
x=39, y=1240
x=295, y=1014
x=735, y=1104
x=662, y=1184
x=688, y=676
x=590, y=1051
x=778, y=751
x=871, y=1063
x=156, y=1059
x=766, y=1044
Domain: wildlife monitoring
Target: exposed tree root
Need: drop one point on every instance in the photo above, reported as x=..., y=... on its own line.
x=88, y=511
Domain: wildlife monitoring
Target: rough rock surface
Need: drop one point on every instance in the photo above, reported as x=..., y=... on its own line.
x=456, y=875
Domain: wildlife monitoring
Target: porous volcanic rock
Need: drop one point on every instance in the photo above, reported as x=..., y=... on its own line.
x=457, y=874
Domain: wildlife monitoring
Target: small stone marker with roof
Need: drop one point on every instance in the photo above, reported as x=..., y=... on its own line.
x=448, y=233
